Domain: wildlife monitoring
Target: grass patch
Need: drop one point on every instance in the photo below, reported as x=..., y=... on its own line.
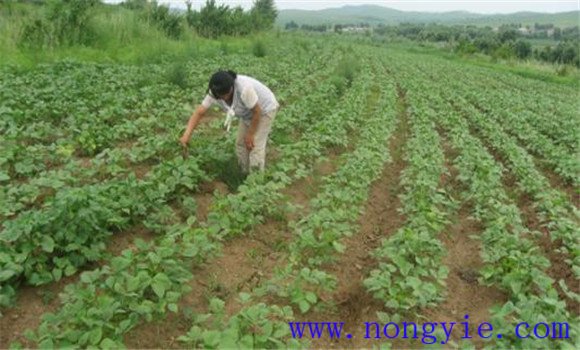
x=118, y=36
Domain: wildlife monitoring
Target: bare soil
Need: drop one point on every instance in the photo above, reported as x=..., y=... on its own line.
x=465, y=295
x=32, y=302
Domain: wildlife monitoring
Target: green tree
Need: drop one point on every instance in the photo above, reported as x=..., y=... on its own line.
x=523, y=49
x=165, y=20
x=240, y=22
x=505, y=51
x=508, y=35
x=213, y=20
x=264, y=14
x=291, y=25
x=135, y=4
x=557, y=33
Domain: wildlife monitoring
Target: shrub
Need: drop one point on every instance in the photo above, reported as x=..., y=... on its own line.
x=65, y=23
x=259, y=48
x=177, y=75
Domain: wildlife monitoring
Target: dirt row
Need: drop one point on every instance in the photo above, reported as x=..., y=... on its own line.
x=559, y=269
x=381, y=218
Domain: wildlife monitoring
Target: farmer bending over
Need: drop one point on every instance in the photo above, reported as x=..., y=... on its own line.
x=249, y=100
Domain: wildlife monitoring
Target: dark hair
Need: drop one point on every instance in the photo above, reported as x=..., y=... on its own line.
x=221, y=83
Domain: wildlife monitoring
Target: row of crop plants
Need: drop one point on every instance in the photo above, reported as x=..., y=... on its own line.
x=333, y=215
x=145, y=128
x=139, y=286
x=555, y=211
x=409, y=274
x=521, y=122
x=73, y=227
x=553, y=102
x=512, y=259
x=333, y=212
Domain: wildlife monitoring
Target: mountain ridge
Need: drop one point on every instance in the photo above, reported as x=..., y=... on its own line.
x=376, y=14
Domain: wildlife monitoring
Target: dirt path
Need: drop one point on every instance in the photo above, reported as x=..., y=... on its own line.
x=465, y=296
x=354, y=305
x=558, y=183
x=559, y=269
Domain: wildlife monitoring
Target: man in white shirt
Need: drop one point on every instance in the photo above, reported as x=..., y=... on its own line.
x=249, y=100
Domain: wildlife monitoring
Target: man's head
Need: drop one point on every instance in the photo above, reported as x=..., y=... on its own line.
x=221, y=84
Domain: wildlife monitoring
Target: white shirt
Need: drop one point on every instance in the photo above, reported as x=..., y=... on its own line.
x=247, y=92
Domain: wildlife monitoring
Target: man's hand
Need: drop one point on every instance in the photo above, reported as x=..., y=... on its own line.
x=249, y=141
x=184, y=140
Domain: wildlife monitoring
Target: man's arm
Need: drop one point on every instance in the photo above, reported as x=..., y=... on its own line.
x=256, y=115
x=192, y=124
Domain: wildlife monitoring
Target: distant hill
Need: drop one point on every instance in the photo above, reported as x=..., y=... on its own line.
x=374, y=14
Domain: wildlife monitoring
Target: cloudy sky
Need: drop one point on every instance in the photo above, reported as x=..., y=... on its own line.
x=481, y=6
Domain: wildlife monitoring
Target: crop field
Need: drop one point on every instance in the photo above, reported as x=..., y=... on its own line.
x=398, y=187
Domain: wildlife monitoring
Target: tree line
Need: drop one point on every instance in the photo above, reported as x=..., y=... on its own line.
x=506, y=41
x=503, y=42
x=68, y=22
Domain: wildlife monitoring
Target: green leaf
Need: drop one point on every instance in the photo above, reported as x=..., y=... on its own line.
x=15, y=345
x=159, y=289
x=46, y=344
x=108, y=344
x=190, y=251
x=87, y=277
x=516, y=286
x=414, y=282
x=4, y=176
x=70, y=270
x=6, y=274
x=47, y=244
x=30, y=335
x=304, y=306
x=141, y=244
x=124, y=325
x=311, y=297
x=245, y=297
x=120, y=263
x=154, y=258
x=95, y=336
x=132, y=283
x=338, y=247
x=216, y=305
x=142, y=309
x=172, y=307
x=211, y=338
x=57, y=274
x=160, y=284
